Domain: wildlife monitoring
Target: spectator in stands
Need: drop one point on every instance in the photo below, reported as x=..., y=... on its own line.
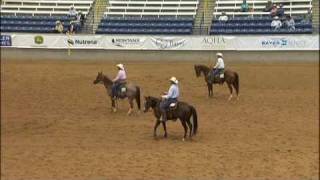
x=223, y=17
x=307, y=18
x=273, y=11
x=276, y=23
x=280, y=11
x=244, y=6
x=268, y=6
x=72, y=12
x=81, y=18
x=72, y=28
x=59, y=27
x=289, y=23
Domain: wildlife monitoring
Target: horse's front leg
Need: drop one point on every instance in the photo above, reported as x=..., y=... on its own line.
x=155, y=128
x=165, y=129
x=210, y=89
x=113, y=105
x=131, y=106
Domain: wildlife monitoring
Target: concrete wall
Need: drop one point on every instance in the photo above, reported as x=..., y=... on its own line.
x=133, y=55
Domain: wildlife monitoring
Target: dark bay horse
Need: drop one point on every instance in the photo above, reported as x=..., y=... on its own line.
x=230, y=77
x=183, y=111
x=132, y=91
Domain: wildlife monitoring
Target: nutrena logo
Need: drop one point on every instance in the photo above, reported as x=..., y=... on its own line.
x=38, y=40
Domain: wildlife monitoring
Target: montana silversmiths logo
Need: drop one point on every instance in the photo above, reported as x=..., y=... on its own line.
x=38, y=40
x=125, y=42
x=163, y=43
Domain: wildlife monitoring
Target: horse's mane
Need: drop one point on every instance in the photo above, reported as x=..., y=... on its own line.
x=202, y=66
x=154, y=99
x=107, y=78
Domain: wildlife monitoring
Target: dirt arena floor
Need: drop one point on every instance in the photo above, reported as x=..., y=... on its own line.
x=55, y=124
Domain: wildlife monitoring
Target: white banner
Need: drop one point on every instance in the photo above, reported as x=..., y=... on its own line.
x=141, y=42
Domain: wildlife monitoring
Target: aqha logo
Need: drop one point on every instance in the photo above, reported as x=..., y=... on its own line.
x=215, y=40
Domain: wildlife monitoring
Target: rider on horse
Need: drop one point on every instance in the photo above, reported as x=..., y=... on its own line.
x=118, y=80
x=219, y=67
x=169, y=98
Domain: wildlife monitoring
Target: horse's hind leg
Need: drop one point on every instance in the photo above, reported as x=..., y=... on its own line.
x=131, y=106
x=190, y=127
x=165, y=129
x=230, y=88
x=183, y=122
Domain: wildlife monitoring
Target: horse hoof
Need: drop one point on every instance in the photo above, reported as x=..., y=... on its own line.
x=114, y=110
x=183, y=139
x=165, y=136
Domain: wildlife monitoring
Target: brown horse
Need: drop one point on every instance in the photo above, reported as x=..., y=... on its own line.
x=183, y=111
x=132, y=91
x=230, y=77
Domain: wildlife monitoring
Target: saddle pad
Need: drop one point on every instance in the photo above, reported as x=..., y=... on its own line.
x=222, y=75
x=173, y=105
x=123, y=89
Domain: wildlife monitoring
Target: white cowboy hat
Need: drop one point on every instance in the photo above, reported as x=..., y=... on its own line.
x=174, y=80
x=219, y=54
x=120, y=66
x=276, y=17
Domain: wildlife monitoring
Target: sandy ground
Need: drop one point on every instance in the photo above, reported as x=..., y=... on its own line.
x=55, y=124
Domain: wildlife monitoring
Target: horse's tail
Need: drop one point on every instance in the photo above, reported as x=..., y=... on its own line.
x=236, y=83
x=194, y=119
x=138, y=97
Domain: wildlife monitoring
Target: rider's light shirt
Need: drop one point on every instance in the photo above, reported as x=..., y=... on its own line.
x=220, y=64
x=173, y=92
x=121, y=76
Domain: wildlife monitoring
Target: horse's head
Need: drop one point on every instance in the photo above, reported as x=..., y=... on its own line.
x=99, y=78
x=150, y=102
x=197, y=69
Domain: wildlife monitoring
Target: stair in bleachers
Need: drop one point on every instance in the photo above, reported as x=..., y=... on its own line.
x=203, y=18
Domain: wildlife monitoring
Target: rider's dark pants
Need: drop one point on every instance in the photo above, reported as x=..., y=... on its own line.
x=164, y=105
x=217, y=72
x=115, y=87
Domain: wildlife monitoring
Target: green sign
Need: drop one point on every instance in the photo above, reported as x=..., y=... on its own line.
x=38, y=40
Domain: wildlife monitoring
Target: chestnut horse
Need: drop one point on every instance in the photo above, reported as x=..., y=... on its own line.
x=230, y=77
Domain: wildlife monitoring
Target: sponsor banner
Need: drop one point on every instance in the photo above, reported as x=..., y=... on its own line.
x=136, y=42
x=169, y=43
x=278, y=43
x=81, y=42
x=5, y=40
x=126, y=42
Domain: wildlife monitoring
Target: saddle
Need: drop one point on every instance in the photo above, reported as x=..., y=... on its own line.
x=171, y=110
x=121, y=90
x=218, y=78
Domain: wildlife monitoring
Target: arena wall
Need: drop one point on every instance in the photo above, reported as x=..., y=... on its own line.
x=17, y=46
x=138, y=55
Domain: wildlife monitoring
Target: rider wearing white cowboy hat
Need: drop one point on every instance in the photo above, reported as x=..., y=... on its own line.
x=119, y=79
x=170, y=97
x=219, y=67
